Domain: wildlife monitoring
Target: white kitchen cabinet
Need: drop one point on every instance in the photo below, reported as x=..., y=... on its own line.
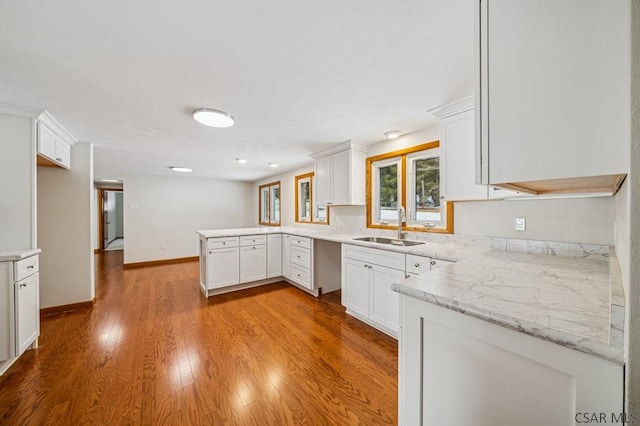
x=385, y=303
x=449, y=361
x=253, y=258
x=550, y=118
x=367, y=277
x=53, y=147
x=301, y=261
x=253, y=263
x=223, y=262
x=285, y=255
x=339, y=176
x=356, y=288
x=457, y=152
x=19, y=307
x=274, y=256
x=27, y=308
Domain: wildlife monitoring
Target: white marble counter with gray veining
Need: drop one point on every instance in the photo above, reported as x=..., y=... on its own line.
x=13, y=255
x=560, y=299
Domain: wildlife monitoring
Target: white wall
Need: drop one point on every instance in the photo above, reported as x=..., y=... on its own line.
x=17, y=173
x=65, y=226
x=578, y=220
x=419, y=137
x=171, y=209
x=632, y=271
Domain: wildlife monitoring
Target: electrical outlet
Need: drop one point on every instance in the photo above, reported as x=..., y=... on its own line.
x=520, y=224
x=134, y=207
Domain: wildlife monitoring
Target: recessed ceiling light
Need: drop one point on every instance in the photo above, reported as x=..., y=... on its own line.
x=213, y=117
x=181, y=169
x=393, y=134
x=273, y=165
x=241, y=160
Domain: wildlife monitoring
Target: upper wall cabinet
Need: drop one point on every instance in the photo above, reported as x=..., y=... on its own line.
x=54, y=143
x=457, y=155
x=457, y=159
x=340, y=176
x=552, y=94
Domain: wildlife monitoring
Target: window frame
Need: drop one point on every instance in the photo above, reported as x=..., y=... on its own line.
x=371, y=203
x=271, y=203
x=312, y=212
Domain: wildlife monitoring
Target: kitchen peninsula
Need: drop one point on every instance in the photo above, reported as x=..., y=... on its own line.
x=536, y=323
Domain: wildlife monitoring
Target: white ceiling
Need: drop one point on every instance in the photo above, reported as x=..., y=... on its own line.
x=297, y=75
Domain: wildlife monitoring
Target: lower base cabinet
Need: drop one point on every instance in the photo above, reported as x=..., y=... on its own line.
x=253, y=263
x=19, y=308
x=367, y=277
x=458, y=370
x=223, y=267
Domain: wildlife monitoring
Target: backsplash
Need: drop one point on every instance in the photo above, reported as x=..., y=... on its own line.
x=352, y=220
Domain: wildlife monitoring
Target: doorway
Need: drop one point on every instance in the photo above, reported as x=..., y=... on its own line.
x=111, y=232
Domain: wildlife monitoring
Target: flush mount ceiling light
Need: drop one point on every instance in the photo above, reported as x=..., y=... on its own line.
x=110, y=180
x=273, y=165
x=213, y=117
x=181, y=169
x=393, y=134
x=241, y=160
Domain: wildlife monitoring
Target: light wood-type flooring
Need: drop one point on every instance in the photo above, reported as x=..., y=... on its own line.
x=154, y=351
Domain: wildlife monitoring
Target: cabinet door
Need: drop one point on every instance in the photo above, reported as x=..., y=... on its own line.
x=458, y=159
x=341, y=178
x=27, y=312
x=385, y=303
x=285, y=256
x=253, y=263
x=274, y=256
x=322, y=184
x=548, y=104
x=46, y=142
x=355, y=286
x=223, y=267
x=63, y=153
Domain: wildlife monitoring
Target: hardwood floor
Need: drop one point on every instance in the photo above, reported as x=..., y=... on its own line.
x=153, y=350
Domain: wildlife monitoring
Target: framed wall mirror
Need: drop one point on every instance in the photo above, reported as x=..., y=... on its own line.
x=269, y=204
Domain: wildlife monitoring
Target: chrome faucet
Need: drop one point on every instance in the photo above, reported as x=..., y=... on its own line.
x=402, y=216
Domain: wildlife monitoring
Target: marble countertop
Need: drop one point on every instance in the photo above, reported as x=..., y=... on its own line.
x=453, y=252
x=574, y=300
x=9, y=256
x=559, y=299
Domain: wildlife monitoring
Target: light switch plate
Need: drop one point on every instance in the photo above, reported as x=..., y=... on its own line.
x=520, y=224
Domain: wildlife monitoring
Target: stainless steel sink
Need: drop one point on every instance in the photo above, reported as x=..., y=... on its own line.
x=390, y=241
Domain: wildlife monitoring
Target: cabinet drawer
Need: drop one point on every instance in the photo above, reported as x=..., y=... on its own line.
x=300, y=275
x=390, y=259
x=418, y=264
x=300, y=256
x=252, y=240
x=300, y=241
x=26, y=267
x=214, y=243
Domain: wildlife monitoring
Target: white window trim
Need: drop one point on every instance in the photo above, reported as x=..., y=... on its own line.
x=411, y=196
x=375, y=166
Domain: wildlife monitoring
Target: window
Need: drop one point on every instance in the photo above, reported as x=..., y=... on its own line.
x=409, y=178
x=269, y=204
x=305, y=212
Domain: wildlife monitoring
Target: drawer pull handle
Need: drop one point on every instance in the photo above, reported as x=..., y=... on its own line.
x=407, y=276
x=224, y=243
x=366, y=266
x=23, y=285
x=30, y=267
x=58, y=159
x=298, y=256
x=416, y=265
x=433, y=262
